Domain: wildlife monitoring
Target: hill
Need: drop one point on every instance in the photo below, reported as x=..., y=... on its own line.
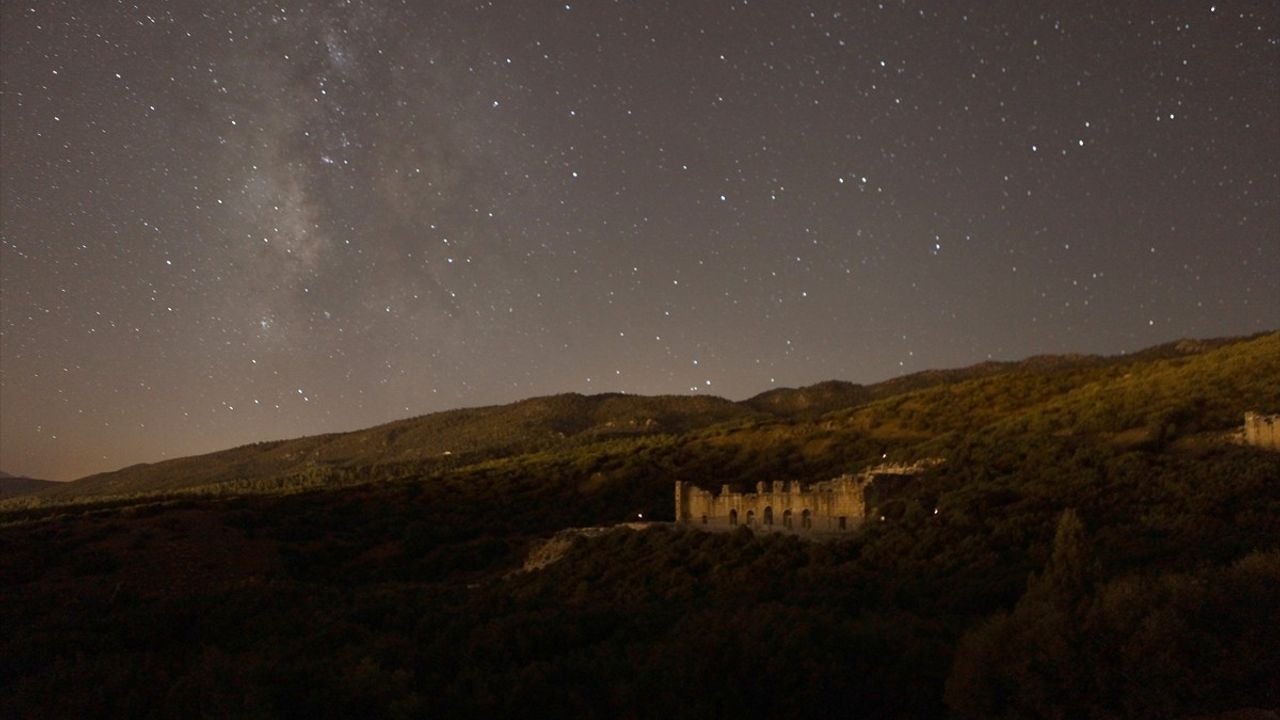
x=812, y=400
x=444, y=439
x=1096, y=539
x=14, y=485
x=559, y=423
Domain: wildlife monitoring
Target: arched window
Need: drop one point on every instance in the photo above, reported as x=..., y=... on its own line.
x=768, y=515
x=786, y=519
x=751, y=517
x=806, y=520
x=844, y=523
x=704, y=519
x=733, y=517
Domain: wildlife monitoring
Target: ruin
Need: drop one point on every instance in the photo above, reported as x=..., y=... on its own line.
x=1262, y=430
x=833, y=506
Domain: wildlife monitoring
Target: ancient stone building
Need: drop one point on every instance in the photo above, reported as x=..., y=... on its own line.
x=834, y=506
x=1262, y=430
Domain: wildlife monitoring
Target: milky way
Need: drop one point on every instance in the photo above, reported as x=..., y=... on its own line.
x=235, y=221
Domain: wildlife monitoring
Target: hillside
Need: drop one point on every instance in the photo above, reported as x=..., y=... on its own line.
x=1096, y=539
x=14, y=485
x=445, y=439
x=812, y=400
x=566, y=423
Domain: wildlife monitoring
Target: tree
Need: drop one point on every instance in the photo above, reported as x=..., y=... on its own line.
x=1030, y=663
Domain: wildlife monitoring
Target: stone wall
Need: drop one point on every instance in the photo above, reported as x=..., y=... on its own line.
x=779, y=506
x=834, y=506
x=1262, y=430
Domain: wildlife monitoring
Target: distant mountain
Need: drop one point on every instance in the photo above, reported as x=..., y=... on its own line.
x=471, y=435
x=811, y=400
x=14, y=485
x=824, y=397
x=866, y=418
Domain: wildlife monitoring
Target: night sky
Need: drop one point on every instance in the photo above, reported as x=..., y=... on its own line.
x=226, y=222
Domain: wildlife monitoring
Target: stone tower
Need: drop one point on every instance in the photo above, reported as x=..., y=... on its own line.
x=1262, y=430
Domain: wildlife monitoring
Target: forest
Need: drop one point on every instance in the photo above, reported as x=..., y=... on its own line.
x=1098, y=544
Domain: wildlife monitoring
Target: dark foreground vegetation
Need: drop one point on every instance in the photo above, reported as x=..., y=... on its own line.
x=1094, y=546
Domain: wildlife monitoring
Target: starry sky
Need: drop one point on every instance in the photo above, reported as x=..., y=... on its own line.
x=225, y=222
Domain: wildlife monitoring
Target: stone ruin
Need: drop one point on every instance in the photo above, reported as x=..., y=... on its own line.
x=1262, y=430
x=834, y=506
